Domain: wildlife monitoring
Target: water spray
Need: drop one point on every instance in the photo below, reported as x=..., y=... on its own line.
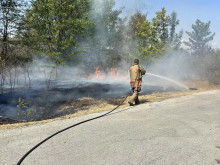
x=168, y=79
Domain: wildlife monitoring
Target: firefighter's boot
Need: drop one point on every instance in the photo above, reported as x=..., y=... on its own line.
x=137, y=101
x=131, y=103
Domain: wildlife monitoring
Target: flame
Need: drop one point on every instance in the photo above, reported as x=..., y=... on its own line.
x=97, y=72
x=115, y=73
x=90, y=76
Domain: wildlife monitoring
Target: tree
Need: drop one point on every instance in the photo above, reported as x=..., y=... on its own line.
x=173, y=23
x=138, y=17
x=54, y=27
x=153, y=36
x=149, y=44
x=199, y=38
x=213, y=67
x=103, y=42
x=174, y=40
x=112, y=21
x=10, y=16
x=130, y=36
x=199, y=47
x=161, y=23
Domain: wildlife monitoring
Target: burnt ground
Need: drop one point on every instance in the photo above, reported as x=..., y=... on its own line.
x=46, y=102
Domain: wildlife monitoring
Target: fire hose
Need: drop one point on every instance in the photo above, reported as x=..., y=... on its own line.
x=32, y=149
x=74, y=125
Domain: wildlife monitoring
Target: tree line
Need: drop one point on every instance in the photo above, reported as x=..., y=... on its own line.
x=93, y=32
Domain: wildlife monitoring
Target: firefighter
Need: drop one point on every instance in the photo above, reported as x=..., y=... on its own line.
x=136, y=72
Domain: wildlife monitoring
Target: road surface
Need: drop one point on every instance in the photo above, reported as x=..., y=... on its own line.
x=179, y=131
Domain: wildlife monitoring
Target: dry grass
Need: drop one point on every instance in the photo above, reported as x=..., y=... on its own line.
x=86, y=105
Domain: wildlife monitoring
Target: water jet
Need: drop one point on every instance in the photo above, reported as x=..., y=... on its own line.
x=171, y=80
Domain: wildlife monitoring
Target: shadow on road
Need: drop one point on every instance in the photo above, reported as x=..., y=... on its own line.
x=217, y=160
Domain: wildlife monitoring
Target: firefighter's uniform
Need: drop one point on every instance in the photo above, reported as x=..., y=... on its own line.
x=136, y=72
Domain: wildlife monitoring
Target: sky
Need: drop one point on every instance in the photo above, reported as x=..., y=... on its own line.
x=187, y=12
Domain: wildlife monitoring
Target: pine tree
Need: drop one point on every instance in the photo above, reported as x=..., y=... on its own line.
x=174, y=40
x=199, y=38
x=161, y=23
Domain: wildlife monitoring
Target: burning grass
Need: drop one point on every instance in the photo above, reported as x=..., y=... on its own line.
x=88, y=105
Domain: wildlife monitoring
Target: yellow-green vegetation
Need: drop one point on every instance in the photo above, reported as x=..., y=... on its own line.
x=24, y=110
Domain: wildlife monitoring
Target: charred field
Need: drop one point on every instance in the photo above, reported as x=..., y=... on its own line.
x=64, y=98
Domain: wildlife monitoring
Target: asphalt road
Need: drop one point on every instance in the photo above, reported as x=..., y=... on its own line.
x=180, y=131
